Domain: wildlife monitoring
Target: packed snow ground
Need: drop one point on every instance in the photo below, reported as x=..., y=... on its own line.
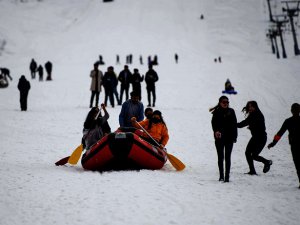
x=72, y=34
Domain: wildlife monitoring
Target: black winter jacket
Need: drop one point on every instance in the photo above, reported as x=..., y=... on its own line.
x=291, y=124
x=224, y=121
x=256, y=123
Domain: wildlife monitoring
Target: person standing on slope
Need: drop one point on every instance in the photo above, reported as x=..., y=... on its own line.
x=291, y=124
x=150, y=78
x=225, y=133
x=33, y=68
x=136, y=80
x=23, y=87
x=96, y=82
x=124, y=77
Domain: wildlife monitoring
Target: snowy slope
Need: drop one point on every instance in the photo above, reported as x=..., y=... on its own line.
x=72, y=34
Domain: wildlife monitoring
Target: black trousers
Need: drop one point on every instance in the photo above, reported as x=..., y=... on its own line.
x=109, y=93
x=253, y=149
x=124, y=88
x=94, y=93
x=295, y=148
x=151, y=90
x=224, y=149
x=23, y=100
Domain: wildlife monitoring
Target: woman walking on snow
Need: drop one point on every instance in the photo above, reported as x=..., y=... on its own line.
x=225, y=134
x=256, y=123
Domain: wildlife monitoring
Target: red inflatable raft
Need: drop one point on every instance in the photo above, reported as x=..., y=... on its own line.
x=123, y=150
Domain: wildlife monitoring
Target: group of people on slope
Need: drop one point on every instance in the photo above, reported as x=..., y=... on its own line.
x=24, y=84
x=225, y=125
x=34, y=68
x=131, y=115
x=109, y=80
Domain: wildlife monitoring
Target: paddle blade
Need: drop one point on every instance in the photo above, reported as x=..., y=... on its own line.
x=178, y=165
x=75, y=155
x=62, y=161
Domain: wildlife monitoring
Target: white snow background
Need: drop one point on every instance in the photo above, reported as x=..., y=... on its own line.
x=72, y=34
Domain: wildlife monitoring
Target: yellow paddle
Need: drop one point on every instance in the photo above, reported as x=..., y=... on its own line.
x=75, y=156
x=73, y=159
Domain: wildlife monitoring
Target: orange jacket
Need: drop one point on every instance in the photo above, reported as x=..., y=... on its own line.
x=158, y=131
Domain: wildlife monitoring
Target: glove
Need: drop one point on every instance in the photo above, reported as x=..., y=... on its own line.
x=271, y=145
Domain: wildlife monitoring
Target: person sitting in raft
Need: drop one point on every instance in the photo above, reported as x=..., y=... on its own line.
x=156, y=127
x=228, y=86
x=148, y=113
x=95, y=127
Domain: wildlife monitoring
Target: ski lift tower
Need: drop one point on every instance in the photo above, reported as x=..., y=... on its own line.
x=280, y=20
x=292, y=9
x=270, y=11
x=272, y=33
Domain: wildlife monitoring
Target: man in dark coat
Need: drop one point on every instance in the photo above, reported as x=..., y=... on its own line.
x=291, y=124
x=124, y=78
x=48, y=67
x=136, y=80
x=110, y=82
x=33, y=68
x=150, y=79
x=23, y=87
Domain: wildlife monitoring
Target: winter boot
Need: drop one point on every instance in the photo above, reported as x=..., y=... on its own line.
x=267, y=166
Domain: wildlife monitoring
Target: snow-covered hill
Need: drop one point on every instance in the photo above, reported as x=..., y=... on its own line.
x=72, y=34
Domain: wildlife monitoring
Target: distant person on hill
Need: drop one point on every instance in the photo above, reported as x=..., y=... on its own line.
x=33, y=68
x=155, y=61
x=95, y=127
x=136, y=80
x=156, y=127
x=23, y=87
x=117, y=59
x=228, y=86
x=48, y=67
x=101, y=62
x=291, y=124
x=150, y=78
x=255, y=121
x=124, y=77
x=40, y=71
x=149, y=60
x=131, y=108
x=176, y=58
x=96, y=82
x=225, y=134
x=141, y=59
